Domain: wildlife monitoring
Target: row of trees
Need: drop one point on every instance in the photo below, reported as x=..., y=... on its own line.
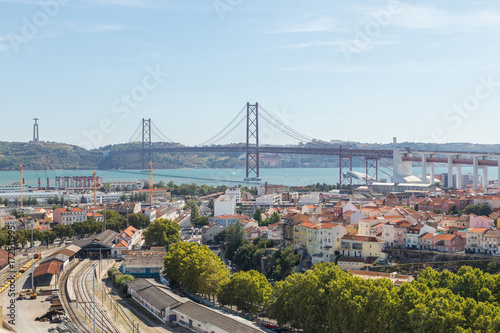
x=137, y=197
x=58, y=201
x=318, y=187
x=114, y=221
x=30, y=201
x=477, y=209
x=21, y=238
x=326, y=299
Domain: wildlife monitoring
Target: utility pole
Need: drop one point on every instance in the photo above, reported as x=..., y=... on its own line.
x=93, y=290
x=32, y=256
x=104, y=217
x=151, y=183
x=22, y=183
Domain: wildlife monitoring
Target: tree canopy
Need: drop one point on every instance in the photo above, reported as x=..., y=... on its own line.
x=162, y=232
x=195, y=268
x=477, y=209
x=326, y=299
x=138, y=221
x=249, y=291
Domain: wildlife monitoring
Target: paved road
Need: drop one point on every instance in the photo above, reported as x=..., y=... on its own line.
x=27, y=310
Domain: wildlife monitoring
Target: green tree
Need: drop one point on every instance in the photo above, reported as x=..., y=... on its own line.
x=248, y=291
x=107, y=187
x=275, y=217
x=257, y=216
x=282, y=263
x=111, y=271
x=122, y=280
x=201, y=221
x=21, y=238
x=220, y=237
x=138, y=221
x=63, y=231
x=162, y=232
x=235, y=238
x=123, y=197
x=477, y=209
x=195, y=268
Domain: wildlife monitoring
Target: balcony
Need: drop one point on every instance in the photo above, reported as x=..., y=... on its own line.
x=345, y=246
x=357, y=246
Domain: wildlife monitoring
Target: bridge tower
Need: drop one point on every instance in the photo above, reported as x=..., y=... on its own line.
x=252, y=144
x=345, y=164
x=146, y=143
x=371, y=168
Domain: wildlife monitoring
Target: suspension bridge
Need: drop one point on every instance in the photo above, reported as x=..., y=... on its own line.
x=255, y=131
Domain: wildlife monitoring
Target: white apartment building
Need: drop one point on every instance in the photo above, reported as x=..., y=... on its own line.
x=309, y=199
x=225, y=205
x=69, y=215
x=268, y=200
x=235, y=192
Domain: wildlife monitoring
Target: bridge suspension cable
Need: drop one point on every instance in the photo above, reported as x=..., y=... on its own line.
x=221, y=135
x=135, y=133
x=284, y=128
x=380, y=165
x=160, y=134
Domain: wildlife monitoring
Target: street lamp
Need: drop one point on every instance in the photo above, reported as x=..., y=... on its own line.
x=32, y=254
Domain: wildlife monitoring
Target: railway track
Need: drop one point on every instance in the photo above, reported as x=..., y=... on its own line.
x=73, y=316
x=86, y=299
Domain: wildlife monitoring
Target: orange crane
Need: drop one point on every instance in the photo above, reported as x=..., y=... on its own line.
x=95, y=187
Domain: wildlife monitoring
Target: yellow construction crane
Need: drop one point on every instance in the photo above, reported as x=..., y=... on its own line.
x=22, y=183
x=95, y=187
x=151, y=183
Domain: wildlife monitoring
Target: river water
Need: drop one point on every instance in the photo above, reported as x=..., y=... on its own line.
x=284, y=176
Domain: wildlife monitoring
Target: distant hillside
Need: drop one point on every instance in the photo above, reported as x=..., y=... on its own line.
x=52, y=155
x=46, y=156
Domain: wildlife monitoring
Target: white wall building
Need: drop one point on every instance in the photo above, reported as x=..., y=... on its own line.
x=236, y=192
x=268, y=200
x=225, y=205
x=69, y=215
x=309, y=199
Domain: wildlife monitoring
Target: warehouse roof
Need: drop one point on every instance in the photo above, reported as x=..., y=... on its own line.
x=155, y=294
x=105, y=239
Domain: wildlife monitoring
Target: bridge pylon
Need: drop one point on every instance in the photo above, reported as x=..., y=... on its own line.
x=252, y=143
x=146, y=143
x=345, y=165
x=371, y=169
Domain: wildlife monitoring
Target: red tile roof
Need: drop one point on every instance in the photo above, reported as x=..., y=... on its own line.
x=48, y=267
x=123, y=243
x=69, y=210
x=478, y=230
x=360, y=238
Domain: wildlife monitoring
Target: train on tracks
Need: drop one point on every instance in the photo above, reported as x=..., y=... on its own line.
x=11, y=279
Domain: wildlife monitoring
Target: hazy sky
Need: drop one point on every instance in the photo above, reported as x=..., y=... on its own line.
x=350, y=70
